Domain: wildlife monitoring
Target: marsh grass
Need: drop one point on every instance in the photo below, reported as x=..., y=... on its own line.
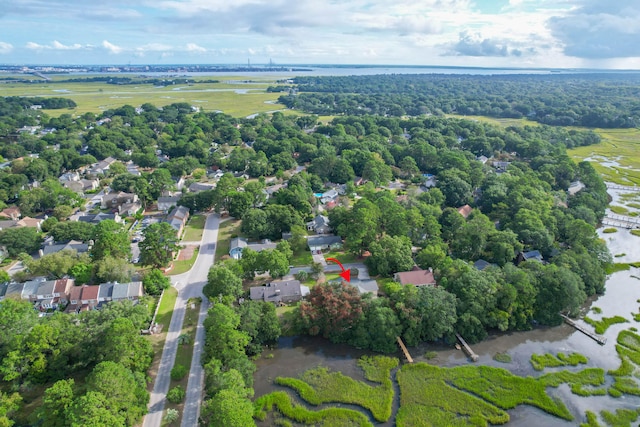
x=602, y=325
x=319, y=385
x=610, y=230
x=542, y=361
x=339, y=417
x=620, y=210
x=635, y=232
x=502, y=357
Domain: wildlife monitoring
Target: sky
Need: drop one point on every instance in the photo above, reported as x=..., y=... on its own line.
x=478, y=33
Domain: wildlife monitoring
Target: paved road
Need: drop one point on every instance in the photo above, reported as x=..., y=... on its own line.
x=189, y=285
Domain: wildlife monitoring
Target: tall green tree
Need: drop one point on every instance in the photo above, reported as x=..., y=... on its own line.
x=19, y=240
x=222, y=282
x=110, y=239
x=159, y=244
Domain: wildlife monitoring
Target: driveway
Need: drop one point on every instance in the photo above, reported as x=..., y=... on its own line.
x=189, y=285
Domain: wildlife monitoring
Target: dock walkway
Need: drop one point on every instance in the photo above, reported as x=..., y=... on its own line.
x=466, y=348
x=404, y=350
x=597, y=338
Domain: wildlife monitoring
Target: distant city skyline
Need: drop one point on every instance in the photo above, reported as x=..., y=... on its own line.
x=463, y=33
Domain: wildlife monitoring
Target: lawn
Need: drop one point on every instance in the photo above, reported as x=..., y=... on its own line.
x=194, y=229
x=236, y=99
x=185, y=354
x=227, y=229
x=183, y=266
x=301, y=258
x=343, y=257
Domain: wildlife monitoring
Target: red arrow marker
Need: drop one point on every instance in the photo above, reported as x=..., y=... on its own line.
x=346, y=274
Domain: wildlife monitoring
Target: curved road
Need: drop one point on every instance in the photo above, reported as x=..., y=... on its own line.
x=189, y=285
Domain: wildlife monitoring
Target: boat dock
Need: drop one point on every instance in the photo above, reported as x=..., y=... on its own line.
x=466, y=348
x=404, y=350
x=621, y=221
x=597, y=338
x=623, y=187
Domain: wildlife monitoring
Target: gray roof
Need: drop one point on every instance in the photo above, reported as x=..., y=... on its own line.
x=482, y=264
x=3, y=288
x=365, y=286
x=264, y=245
x=135, y=289
x=94, y=219
x=46, y=288
x=179, y=212
x=30, y=288
x=277, y=291
x=14, y=288
x=120, y=291
x=237, y=242
x=532, y=255
x=169, y=199
x=319, y=221
x=323, y=240
x=198, y=186
x=106, y=290
x=72, y=245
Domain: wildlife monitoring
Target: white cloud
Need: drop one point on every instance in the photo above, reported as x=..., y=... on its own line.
x=57, y=45
x=5, y=47
x=154, y=47
x=112, y=48
x=35, y=46
x=192, y=47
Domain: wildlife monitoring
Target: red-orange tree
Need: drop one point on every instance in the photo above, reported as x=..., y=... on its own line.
x=331, y=310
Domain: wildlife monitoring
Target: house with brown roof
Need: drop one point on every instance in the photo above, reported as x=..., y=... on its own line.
x=89, y=297
x=417, y=277
x=115, y=200
x=465, y=210
x=75, y=295
x=12, y=212
x=178, y=218
x=61, y=291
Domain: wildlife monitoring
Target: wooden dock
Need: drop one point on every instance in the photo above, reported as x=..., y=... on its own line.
x=597, y=338
x=466, y=348
x=621, y=221
x=404, y=350
x=623, y=187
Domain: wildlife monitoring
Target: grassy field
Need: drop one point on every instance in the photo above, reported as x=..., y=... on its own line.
x=227, y=229
x=301, y=259
x=183, y=266
x=342, y=256
x=495, y=121
x=194, y=229
x=236, y=99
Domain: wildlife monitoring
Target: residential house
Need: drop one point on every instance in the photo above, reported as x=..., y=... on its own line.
x=115, y=199
x=7, y=224
x=30, y=222
x=12, y=213
x=218, y=174
x=75, y=296
x=465, y=211
x=105, y=293
x=500, y=166
x=428, y=181
x=575, y=187
x=95, y=219
x=366, y=286
x=167, y=202
x=279, y=292
x=131, y=291
x=238, y=244
x=30, y=288
x=529, y=256
x=179, y=182
x=69, y=176
x=89, y=297
x=358, y=180
x=178, y=218
x=482, y=159
x=329, y=196
x=197, y=187
x=416, y=277
x=132, y=168
x=82, y=185
x=44, y=295
x=14, y=290
x=61, y=291
x=129, y=209
x=319, y=243
x=481, y=264
x=102, y=167
x=74, y=245
x=272, y=189
x=319, y=224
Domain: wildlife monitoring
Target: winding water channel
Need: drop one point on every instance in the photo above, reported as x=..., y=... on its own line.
x=295, y=355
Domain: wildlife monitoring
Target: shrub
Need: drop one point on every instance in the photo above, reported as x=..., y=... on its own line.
x=502, y=357
x=610, y=230
x=302, y=276
x=176, y=395
x=178, y=372
x=171, y=416
x=430, y=355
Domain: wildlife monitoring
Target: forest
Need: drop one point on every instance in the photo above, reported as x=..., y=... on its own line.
x=591, y=100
